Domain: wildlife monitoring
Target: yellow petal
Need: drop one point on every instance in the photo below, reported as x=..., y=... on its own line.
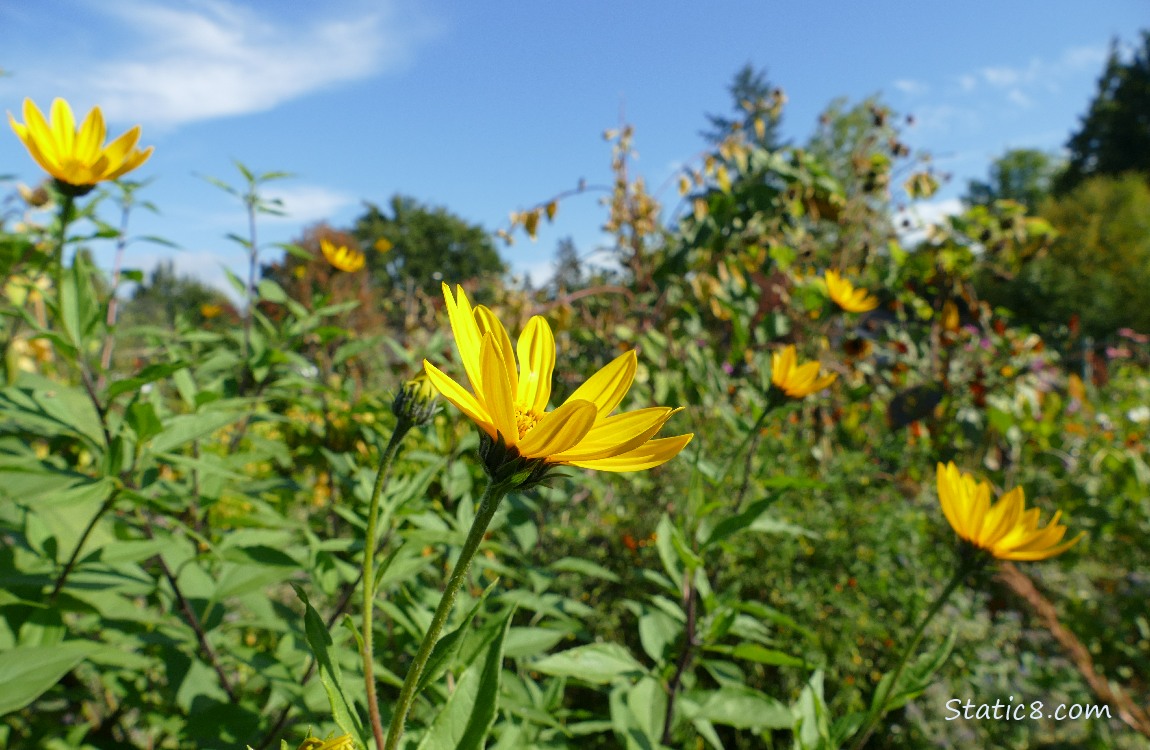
x=119, y=150
x=90, y=139
x=136, y=159
x=607, y=387
x=536, y=348
x=63, y=127
x=1043, y=554
x=456, y=394
x=497, y=391
x=559, y=430
x=488, y=323
x=619, y=434
x=467, y=338
x=947, y=495
x=646, y=456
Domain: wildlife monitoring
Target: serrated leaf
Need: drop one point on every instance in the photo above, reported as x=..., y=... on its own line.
x=597, y=663
x=466, y=720
x=320, y=641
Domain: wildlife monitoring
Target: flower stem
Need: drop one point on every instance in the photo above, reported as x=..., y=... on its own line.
x=876, y=714
x=401, y=429
x=67, y=213
x=488, y=503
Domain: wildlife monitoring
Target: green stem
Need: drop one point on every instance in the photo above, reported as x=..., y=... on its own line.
x=401, y=429
x=67, y=211
x=488, y=504
x=877, y=712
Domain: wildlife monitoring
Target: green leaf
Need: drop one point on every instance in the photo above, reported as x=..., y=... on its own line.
x=597, y=663
x=141, y=417
x=27, y=673
x=466, y=720
x=758, y=654
x=743, y=708
x=915, y=678
x=320, y=641
x=754, y=518
x=448, y=646
x=531, y=641
x=583, y=567
x=185, y=428
x=271, y=291
x=149, y=374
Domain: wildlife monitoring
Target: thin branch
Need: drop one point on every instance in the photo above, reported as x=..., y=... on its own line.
x=192, y=618
x=690, y=603
x=1130, y=713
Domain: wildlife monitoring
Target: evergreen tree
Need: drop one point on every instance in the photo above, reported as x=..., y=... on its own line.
x=1115, y=133
x=753, y=100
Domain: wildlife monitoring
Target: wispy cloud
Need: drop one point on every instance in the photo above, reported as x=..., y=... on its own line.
x=303, y=204
x=1037, y=73
x=910, y=86
x=206, y=59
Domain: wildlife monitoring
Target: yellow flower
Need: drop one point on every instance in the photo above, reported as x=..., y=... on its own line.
x=795, y=380
x=209, y=310
x=950, y=316
x=510, y=404
x=1006, y=529
x=846, y=296
x=342, y=257
x=77, y=157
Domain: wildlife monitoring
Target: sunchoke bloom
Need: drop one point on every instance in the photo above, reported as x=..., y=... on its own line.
x=342, y=257
x=844, y=294
x=509, y=403
x=1005, y=529
x=78, y=159
x=793, y=379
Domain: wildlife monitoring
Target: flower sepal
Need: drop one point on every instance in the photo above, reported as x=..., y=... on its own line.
x=506, y=468
x=70, y=190
x=416, y=401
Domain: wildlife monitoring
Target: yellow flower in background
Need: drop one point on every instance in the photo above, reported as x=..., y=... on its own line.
x=844, y=294
x=342, y=257
x=793, y=379
x=77, y=157
x=509, y=403
x=1005, y=529
x=950, y=318
x=209, y=311
x=383, y=244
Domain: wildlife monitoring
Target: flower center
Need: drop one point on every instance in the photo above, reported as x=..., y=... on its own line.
x=525, y=420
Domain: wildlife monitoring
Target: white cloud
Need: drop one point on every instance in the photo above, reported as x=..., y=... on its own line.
x=304, y=204
x=911, y=87
x=1016, y=97
x=911, y=222
x=205, y=59
x=946, y=118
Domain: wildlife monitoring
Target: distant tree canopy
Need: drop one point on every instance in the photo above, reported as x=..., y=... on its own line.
x=1097, y=268
x=1024, y=175
x=1115, y=134
x=412, y=242
x=166, y=295
x=757, y=108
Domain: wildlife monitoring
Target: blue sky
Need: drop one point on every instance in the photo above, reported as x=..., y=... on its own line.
x=487, y=108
